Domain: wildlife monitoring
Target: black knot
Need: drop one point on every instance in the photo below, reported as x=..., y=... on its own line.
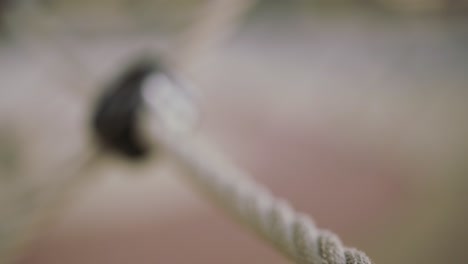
x=116, y=118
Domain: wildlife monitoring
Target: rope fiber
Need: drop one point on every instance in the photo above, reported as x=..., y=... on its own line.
x=162, y=98
x=292, y=233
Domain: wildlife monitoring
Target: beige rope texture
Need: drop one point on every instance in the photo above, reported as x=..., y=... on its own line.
x=292, y=233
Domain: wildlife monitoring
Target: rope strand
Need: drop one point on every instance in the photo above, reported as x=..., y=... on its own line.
x=293, y=233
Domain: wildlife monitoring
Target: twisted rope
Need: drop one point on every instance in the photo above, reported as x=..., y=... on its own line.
x=293, y=234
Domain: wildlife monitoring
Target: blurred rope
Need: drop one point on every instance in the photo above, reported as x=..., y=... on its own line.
x=292, y=233
x=217, y=20
x=214, y=22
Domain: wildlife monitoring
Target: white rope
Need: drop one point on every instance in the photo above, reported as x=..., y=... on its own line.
x=292, y=233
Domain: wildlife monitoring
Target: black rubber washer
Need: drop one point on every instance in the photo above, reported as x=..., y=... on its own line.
x=116, y=117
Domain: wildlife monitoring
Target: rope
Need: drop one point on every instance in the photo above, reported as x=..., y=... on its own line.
x=292, y=233
x=217, y=20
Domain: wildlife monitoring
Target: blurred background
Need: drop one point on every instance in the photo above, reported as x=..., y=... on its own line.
x=354, y=111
